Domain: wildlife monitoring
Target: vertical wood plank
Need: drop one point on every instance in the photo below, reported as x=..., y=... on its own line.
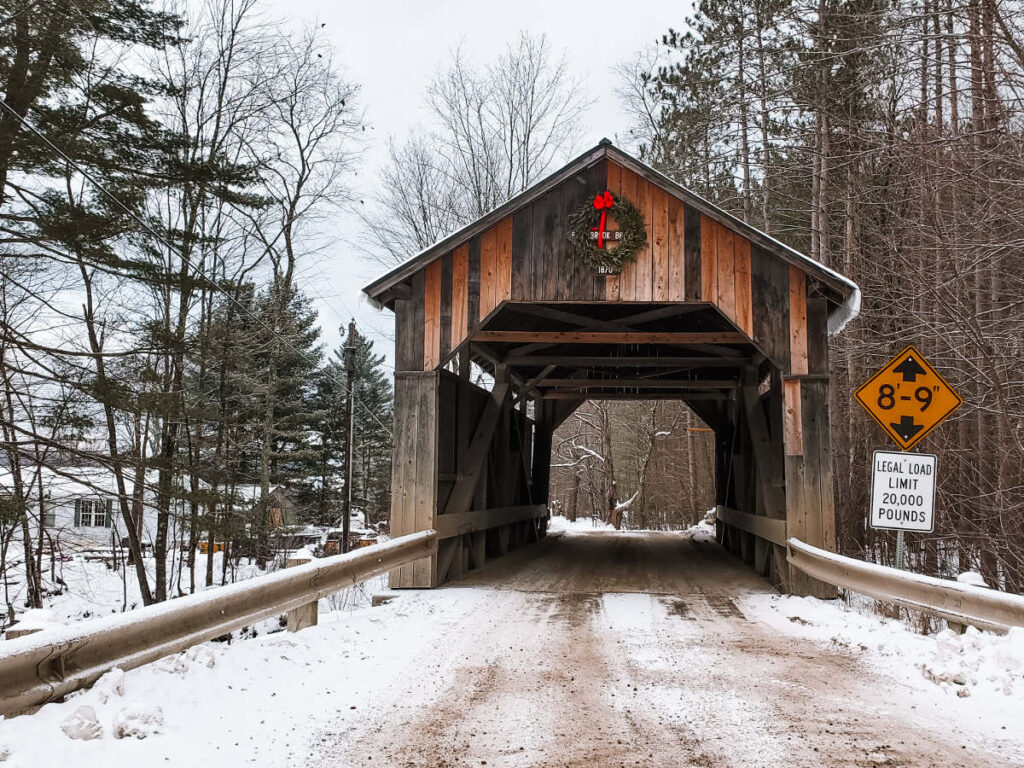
x=811, y=409
x=403, y=458
x=425, y=499
x=692, y=253
x=792, y=420
x=769, y=277
x=611, y=282
x=676, y=250
x=488, y=262
x=473, y=292
x=590, y=284
x=744, y=295
x=414, y=476
x=645, y=257
x=432, y=315
x=797, y=321
x=726, y=273
x=823, y=451
x=660, y=244
x=406, y=332
x=810, y=512
x=503, y=266
x=817, y=335
x=574, y=191
x=627, y=278
x=614, y=171
x=522, y=254
x=611, y=287
x=460, y=294
x=445, y=324
x=545, y=249
x=708, y=260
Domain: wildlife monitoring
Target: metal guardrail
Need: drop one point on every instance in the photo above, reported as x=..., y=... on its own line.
x=957, y=603
x=41, y=667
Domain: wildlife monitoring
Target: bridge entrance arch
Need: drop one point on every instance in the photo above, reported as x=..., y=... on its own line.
x=502, y=331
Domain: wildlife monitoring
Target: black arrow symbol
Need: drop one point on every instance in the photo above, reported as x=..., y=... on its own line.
x=906, y=428
x=910, y=369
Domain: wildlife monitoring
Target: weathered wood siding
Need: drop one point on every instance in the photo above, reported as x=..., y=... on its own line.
x=774, y=458
x=414, y=470
x=689, y=256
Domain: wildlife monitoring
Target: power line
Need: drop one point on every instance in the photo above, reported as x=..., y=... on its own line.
x=160, y=238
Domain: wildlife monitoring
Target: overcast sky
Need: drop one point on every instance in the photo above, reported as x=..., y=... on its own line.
x=391, y=49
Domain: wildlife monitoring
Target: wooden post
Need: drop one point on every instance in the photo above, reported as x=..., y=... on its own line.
x=414, y=470
x=810, y=507
x=305, y=615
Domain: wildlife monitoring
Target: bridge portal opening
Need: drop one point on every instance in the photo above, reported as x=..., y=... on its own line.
x=641, y=465
x=504, y=330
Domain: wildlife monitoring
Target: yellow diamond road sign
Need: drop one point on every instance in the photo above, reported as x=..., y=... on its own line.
x=908, y=398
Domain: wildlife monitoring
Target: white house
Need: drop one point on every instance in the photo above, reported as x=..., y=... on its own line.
x=79, y=504
x=80, y=508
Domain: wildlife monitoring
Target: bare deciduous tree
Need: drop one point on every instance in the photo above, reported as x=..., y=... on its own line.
x=495, y=132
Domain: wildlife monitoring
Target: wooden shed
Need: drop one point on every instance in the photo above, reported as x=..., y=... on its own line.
x=710, y=311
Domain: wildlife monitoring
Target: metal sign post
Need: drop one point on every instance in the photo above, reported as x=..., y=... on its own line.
x=907, y=398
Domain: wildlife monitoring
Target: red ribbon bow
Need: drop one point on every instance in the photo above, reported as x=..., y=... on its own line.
x=603, y=203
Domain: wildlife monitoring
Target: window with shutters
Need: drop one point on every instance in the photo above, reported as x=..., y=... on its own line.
x=93, y=513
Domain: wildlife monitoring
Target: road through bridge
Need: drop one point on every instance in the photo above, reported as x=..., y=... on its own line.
x=638, y=649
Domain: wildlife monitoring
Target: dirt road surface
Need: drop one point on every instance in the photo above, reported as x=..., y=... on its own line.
x=618, y=649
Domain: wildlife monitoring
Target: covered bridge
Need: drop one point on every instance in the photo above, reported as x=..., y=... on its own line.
x=707, y=310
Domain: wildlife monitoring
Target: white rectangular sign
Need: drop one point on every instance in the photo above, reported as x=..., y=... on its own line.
x=903, y=491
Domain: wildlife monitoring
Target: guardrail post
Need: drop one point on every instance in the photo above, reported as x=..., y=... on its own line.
x=305, y=615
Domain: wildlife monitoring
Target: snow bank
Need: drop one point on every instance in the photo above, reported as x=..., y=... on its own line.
x=945, y=668
x=80, y=586
x=259, y=701
x=559, y=524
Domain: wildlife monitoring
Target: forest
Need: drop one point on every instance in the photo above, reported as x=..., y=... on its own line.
x=883, y=140
x=168, y=179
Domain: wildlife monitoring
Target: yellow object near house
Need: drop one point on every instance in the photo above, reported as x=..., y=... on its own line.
x=218, y=546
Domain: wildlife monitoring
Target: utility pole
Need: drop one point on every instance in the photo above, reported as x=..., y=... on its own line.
x=350, y=371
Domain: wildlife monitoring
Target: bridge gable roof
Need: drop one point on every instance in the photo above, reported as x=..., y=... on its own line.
x=842, y=293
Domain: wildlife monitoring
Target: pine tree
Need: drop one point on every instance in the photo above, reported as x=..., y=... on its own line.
x=371, y=415
x=286, y=363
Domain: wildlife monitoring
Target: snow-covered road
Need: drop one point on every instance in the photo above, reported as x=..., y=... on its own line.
x=589, y=649
x=611, y=649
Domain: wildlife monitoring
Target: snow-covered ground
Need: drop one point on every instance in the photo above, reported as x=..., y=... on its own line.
x=507, y=659
x=83, y=586
x=946, y=668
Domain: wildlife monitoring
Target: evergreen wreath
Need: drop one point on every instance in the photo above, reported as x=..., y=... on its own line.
x=631, y=223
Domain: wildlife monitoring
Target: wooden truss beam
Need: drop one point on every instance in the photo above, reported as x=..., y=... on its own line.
x=462, y=494
x=480, y=520
x=518, y=360
x=695, y=384
x=611, y=337
x=566, y=394
x=622, y=324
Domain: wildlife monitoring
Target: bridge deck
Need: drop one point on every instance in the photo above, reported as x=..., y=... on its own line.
x=605, y=649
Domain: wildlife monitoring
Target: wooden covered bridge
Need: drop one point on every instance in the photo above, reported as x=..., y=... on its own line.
x=706, y=309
